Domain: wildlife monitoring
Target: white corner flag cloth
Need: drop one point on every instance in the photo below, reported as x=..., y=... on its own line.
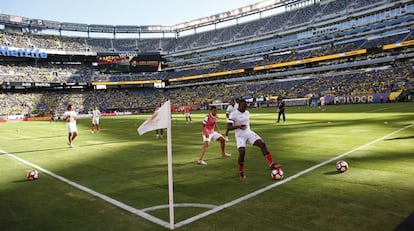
x=160, y=119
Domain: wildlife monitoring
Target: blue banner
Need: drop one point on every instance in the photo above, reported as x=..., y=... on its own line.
x=358, y=99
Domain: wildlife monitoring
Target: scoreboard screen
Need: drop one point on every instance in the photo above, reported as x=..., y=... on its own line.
x=113, y=63
x=117, y=63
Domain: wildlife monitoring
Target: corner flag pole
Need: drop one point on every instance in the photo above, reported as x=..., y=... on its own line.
x=170, y=173
x=159, y=120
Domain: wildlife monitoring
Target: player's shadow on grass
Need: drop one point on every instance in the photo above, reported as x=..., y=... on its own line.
x=35, y=150
x=20, y=181
x=44, y=137
x=401, y=138
x=332, y=173
x=66, y=147
x=103, y=143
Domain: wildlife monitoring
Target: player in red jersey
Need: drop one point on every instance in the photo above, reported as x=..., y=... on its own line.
x=187, y=114
x=210, y=131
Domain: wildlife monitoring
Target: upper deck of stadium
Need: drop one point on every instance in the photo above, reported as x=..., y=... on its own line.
x=269, y=39
x=255, y=25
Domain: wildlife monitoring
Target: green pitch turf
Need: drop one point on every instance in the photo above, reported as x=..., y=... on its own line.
x=376, y=193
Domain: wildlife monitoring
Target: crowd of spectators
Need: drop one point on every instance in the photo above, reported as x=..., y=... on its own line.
x=382, y=79
x=44, y=72
x=386, y=77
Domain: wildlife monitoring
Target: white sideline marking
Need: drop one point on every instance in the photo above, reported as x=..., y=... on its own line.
x=214, y=209
x=253, y=194
x=94, y=193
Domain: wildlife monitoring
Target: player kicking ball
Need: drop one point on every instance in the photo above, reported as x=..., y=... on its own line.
x=239, y=121
x=209, y=127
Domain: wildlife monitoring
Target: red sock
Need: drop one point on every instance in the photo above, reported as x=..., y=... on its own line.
x=241, y=167
x=269, y=158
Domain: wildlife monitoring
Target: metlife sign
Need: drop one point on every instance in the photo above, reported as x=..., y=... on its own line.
x=22, y=52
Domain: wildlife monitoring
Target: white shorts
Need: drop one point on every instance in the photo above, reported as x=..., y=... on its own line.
x=213, y=136
x=246, y=136
x=187, y=114
x=71, y=127
x=95, y=121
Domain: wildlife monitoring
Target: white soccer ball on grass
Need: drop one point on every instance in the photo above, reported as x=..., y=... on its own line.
x=276, y=174
x=342, y=166
x=32, y=175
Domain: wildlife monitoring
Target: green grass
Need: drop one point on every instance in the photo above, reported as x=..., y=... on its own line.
x=375, y=194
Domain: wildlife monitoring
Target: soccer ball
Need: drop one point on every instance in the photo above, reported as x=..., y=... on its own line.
x=342, y=166
x=276, y=174
x=32, y=175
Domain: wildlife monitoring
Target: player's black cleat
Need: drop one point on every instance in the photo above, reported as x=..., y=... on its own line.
x=242, y=175
x=274, y=166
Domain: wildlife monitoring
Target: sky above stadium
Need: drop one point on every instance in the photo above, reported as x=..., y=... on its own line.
x=120, y=12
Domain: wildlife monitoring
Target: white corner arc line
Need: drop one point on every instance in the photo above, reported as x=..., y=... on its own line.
x=178, y=205
x=94, y=193
x=255, y=193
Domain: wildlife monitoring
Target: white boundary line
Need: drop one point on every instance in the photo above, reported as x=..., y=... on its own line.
x=177, y=205
x=214, y=209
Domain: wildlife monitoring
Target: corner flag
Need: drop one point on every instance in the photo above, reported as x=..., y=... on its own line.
x=160, y=119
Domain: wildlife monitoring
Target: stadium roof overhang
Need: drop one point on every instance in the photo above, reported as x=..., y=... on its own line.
x=41, y=24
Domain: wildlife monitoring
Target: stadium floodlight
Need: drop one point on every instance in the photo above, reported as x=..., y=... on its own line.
x=229, y=15
x=266, y=4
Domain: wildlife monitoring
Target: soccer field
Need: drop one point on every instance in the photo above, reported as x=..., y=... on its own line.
x=117, y=180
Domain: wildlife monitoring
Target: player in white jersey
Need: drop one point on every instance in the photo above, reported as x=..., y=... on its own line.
x=240, y=122
x=233, y=105
x=96, y=114
x=70, y=116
